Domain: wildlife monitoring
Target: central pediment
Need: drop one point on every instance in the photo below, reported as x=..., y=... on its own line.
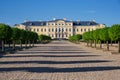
x=59, y=20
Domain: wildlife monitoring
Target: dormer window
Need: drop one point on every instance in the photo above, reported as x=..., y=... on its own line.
x=41, y=23
x=31, y=24
x=88, y=23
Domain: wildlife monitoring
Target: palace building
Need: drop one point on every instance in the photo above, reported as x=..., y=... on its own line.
x=60, y=28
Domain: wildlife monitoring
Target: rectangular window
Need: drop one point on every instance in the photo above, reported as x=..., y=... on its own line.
x=74, y=30
x=45, y=30
x=70, y=29
x=77, y=30
x=66, y=29
x=37, y=30
x=48, y=34
x=84, y=30
x=48, y=30
x=34, y=30
x=41, y=30
x=66, y=35
x=89, y=29
x=29, y=29
x=52, y=35
x=52, y=30
x=81, y=30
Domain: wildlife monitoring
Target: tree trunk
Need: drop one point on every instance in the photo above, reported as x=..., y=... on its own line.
x=13, y=45
x=29, y=43
x=25, y=44
x=20, y=43
x=33, y=43
x=95, y=43
x=3, y=46
x=119, y=46
x=87, y=43
x=107, y=45
x=9, y=44
x=111, y=42
x=91, y=43
x=100, y=45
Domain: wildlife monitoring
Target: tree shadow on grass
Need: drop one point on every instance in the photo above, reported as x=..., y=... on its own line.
x=60, y=70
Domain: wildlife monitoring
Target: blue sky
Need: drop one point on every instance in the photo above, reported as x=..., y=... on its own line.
x=103, y=11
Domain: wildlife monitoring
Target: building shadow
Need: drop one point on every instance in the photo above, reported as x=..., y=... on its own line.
x=60, y=70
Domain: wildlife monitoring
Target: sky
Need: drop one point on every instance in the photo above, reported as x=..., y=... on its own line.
x=102, y=11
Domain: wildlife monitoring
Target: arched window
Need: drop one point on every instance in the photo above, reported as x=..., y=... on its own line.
x=62, y=30
x=56, y=30
x=66, y=29
x=59, y=30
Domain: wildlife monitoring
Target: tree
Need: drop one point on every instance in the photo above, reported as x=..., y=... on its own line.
x=22, y=37
x=34, y=37
x=105, y=36
x=96, y=36
x=15, y=36
x=44, y=38
x=5, y=34
x=85, y=37
x=114, y=33
x=75, y=38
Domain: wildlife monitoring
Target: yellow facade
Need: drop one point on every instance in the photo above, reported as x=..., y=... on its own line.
x=60, y=28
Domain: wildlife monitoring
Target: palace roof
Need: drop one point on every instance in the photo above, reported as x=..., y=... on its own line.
x=43, y=23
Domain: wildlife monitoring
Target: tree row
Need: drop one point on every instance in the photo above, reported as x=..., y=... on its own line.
x=15, y=35
x=107, y=34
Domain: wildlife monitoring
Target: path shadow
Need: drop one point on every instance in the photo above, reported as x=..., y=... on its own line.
x=17, y=56
x=60, y=70
x=56, y=52
x=55, y=62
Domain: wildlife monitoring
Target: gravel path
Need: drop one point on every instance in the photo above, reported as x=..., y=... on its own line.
x=60, y=60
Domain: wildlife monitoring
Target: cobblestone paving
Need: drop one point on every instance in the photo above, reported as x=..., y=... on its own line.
x=60, y=60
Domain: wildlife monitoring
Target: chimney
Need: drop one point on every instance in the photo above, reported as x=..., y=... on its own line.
x=93, y=20
x=40, y=20
x=78, y=20
x=54, y=19
x=64, y=19
x=25, y=20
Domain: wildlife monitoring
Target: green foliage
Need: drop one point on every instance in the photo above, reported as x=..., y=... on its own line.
x=104, y=35
x=85, y=36
x=96, y=35
x=114, y=32
x=5, y=32
x=44, y=38
x=75, y=37
x=15, y=34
